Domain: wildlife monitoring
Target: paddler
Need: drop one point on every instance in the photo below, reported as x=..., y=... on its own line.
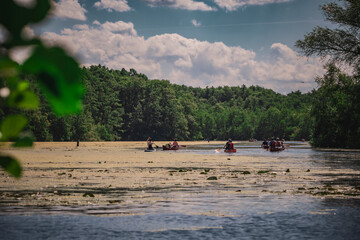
x=175, y=143
x=150, y=143
x=229, y=145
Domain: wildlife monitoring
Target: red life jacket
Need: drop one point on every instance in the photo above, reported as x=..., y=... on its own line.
x=231, y=145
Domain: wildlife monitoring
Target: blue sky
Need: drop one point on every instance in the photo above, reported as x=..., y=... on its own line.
x=193, y=42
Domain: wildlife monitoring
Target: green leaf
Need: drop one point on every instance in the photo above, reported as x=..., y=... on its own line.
x=10, y=165
x=26, y=141
x=14, y=17
x=23, y=99
x=11, y=126
x=9, y=70
x=58, y=77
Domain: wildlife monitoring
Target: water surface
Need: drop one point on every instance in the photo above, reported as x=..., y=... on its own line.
x=209, y=212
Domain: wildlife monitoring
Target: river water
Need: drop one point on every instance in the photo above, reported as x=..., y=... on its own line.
x=206, y=215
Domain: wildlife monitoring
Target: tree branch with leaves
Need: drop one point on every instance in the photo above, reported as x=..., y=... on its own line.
x=341, y=44
x=57, y=75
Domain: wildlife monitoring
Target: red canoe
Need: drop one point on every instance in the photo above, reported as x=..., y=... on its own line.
x=276, y=149
x=230, y=150
x=170, y=148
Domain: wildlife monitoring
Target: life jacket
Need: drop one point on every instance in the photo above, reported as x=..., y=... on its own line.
x=278, y=143
x=231, y=145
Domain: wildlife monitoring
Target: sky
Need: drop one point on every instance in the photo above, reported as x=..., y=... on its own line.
x=197, y=43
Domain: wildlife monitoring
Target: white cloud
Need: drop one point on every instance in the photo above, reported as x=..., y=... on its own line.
x=195, y=23
x=181, y=4
x=20, y=54
x=187, y=61
x=232, y=5
x=120, y=27
x=69, y=9
x=110, y=5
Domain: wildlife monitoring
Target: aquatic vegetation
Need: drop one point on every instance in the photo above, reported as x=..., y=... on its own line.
x=212, y=178
x=88, y=195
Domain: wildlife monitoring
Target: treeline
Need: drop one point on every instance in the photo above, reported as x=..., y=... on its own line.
x=126, y=105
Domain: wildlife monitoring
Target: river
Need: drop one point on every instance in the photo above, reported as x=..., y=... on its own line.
x=206, y=215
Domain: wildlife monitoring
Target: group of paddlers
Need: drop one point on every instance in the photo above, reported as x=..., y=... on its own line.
x=273, y=144
x=151, y=143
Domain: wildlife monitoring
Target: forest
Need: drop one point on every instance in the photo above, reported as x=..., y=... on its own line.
x=126, y=105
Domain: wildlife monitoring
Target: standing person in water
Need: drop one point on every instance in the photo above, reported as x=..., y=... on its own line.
x=150, y=143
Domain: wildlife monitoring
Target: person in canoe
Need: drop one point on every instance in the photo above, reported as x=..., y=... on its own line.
x=229, y=145
x=265, y=144
x=175, y=143
x=150, y=143
x=280, y=144
x=272, y=144
x=171, y=146
x=276, y=145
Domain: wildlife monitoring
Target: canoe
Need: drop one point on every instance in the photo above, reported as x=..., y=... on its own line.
x=276, y=149
x=150, y=150
x=170, y=148
x=230, y=150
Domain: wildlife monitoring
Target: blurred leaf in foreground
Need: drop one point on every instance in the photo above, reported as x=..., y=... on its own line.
x=26, y=141
x=14, y=18
x=10, y=165
x=11, y=126
x=58, y=77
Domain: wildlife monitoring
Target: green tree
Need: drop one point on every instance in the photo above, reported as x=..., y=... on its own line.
x=341, y=44
x=336, y=110
x=336, y=103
